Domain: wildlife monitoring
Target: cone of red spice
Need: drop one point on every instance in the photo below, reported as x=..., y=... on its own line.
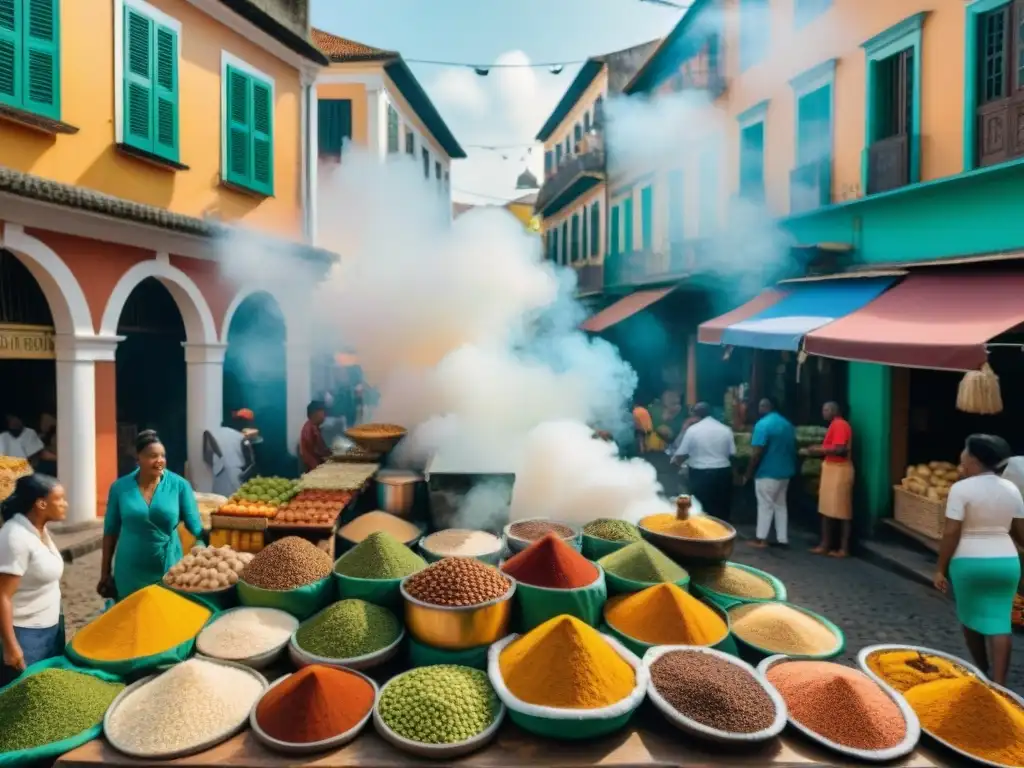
x=550, y=562
x=315, y=704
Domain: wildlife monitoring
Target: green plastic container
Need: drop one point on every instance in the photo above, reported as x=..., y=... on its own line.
x=535, y=605
x=728, y=601
x=726, y=645
x=617, y=585
x=385, y=592
x=754, y=655
x=301, y=602
x=421, y=655
x=595, y=548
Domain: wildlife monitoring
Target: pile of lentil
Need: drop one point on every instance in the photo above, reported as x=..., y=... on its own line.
x=246, y=632
x=531, y=530
x=457, y=581
x=734, y=581
x=347, y=629
x=377, y=521
x=641, y=561
x=713, y=692
x=841, y=704
x=50, y=706
x=286, y=564
x=460, y=542
x=379, y=556
x=665, y=614
x=691, y=528
x=550, y=562
x=315, y=704
x=441, y=704
x=781, y=629
x=612, y=530
x=905, y=669
x=186, y=706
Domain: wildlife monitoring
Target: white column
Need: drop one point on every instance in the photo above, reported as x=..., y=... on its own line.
x=313, y=163
x=299, y=388
x=377, y=129
x=76, y=421
x=204, y=366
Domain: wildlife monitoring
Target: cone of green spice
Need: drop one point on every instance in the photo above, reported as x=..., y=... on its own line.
x=641, y=561
x=612, y=530
x=50, y=706
x=379, y=556
x=348, y=629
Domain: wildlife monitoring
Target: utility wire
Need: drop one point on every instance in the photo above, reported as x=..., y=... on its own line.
x=502, y=200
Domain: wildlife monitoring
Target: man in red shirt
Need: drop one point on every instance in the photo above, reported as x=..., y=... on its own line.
x=835, y=495
x=313, y=450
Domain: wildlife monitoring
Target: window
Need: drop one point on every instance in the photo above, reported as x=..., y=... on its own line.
x=627, y=213
x=393, y=130
x=595, y=229
x=437, y=171
x=577, y=133
x=553, y=245
x=565, y=242
x=447, y=181
x=676, y=202
x=810, y=181
x=708, y=192
x=558, y=155
x=586, y=122
x=647, y=218
x=335, y=125
x=249, y=128
x=30, y=56
x=752, y=162
x=999, y=61
x=599, y=112
x=410, y=143
x=613, y=232
x=426, y=163
x=755, y=31
x=568, y=147
x=574, y=255
x=584, y=248
x=805, y=11
x=548, y=161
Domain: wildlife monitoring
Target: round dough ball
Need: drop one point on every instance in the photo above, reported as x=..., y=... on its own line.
x=232, y=578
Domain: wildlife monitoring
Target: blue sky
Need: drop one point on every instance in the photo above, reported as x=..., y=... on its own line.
x=510, y=105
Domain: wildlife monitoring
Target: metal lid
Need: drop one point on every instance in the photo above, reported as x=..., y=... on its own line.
x=398, y=476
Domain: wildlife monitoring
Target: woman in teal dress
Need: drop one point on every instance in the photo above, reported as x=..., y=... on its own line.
x=140, y=531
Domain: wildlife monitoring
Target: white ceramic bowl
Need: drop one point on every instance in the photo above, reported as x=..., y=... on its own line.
x=695, y=728
x=904, y=748
x=301, y=658
x=259, y=660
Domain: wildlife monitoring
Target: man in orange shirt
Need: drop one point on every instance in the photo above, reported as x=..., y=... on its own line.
x=312, y=449
x=835, y=495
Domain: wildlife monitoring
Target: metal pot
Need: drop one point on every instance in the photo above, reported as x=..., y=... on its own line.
x=396, y=491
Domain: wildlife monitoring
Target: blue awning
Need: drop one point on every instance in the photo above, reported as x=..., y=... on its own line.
x=805, y=308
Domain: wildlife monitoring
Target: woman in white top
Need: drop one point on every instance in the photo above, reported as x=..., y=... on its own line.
x=984, y=518
x=31, y=625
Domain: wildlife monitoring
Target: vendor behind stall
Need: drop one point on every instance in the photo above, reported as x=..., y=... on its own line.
x=313, y=450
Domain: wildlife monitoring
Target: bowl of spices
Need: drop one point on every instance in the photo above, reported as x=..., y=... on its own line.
x=313, y=710
x=767, y=629
x=730, y=583
x=521, y=534
x=441, y=711
x=462, y=542
x=566, y=680
x=373, y=570
x=641, y=565
x=184, y=710
x=956, y=704
x=713, y=695
x=458, y=603
x=843, y=709
x=291, y=574
x=255, y=637
x=605, y=535
x=687, y=538
x=666, y=615
x=350, y=633
x=377, y=521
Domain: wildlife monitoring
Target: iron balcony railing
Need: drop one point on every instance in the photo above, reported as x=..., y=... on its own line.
x=588, y=162
x=888, y=164
x=650, y=266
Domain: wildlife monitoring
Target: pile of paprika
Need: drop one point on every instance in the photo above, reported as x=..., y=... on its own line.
x=550, y=562
x=315, y=704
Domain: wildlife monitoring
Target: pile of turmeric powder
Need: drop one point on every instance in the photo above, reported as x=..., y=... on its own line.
x=690, y=528
x=665, y=615
x=904, y=669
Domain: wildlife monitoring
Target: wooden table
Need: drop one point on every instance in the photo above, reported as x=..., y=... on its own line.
x=654, y=746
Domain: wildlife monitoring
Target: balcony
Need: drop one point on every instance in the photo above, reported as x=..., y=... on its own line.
x=810, y=186
x=650, y=267
x=576, y=176
x=589, y=279
x=889, y=164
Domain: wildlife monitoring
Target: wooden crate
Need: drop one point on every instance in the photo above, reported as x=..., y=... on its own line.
x=919, y=513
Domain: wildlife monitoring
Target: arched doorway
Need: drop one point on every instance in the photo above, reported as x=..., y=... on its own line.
x=255, y=377
x=151, y=385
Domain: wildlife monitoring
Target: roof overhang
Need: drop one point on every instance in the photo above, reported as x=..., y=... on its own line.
x=271, y=26
x=413, y=92
x=587, y=74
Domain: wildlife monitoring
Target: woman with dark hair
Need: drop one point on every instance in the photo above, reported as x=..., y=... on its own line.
x=984, y=517
x=31, y=625
x=144, y=509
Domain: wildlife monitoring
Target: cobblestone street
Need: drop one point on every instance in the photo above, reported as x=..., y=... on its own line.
x=78, y=586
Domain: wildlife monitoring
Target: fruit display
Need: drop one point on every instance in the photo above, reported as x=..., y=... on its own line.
x=931, y=480
x=249, y=542
x=313, y=507
x=205, y=569
x=338, y=477
x=259, y=497
x=809, y=434
x=11, y=468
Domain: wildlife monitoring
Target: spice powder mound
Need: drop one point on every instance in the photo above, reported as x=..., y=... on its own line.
x=738, y=582
x=550, y=562
x=713, y=692
x=457, y=582
x=286, y=564
x=691, y=528
x=781, y=629
x=665, y=615
x=612, y=530
x=459, y=542
x=348, y=629
x=641, y=561
x=531, y=530
x=379, y=556
x=905, y=669
x=844, y=705
x=315, y=704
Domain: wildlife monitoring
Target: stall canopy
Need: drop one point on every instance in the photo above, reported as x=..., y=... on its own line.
x=804, y=307
x=622, y=309
x=939, y=321
x=711, y=331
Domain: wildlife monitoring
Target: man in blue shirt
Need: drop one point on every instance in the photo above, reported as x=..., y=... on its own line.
x=772, y=463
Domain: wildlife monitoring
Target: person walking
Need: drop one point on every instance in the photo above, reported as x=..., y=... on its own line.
x=229, y=453
x=772, y=465
x=835, y=493
x=977, y=556
x=707, y=449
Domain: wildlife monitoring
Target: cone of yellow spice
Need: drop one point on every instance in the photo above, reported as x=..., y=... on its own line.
x=689, y=528
x=567, y=664
x=665, y=614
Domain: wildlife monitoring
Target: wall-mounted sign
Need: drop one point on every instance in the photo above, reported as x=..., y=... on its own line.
x=26, y=342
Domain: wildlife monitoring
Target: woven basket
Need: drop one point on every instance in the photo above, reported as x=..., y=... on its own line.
x=918, y=513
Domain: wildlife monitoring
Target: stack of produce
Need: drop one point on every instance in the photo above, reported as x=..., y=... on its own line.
x=612, y=530
x=190, y=704
x=347, y=630
x=379, y=556
x=643, y=562
x=531, y=530
x=259, y=497
x=457, y=582
x=459, y=542
x=840, y=704
x=779, y=628
x=698, y=527
x=355, y=454
x=744, y=449
x=243, y=633
x=551, y=563
x=665, y=614
x=810, y=434
x=206, y=569
x=372, y=522
x=565, y=663
x=440, y=704
x=315, y=704
x=728, y=579
x=905, y=669
x=713, y=692
x=286, y=564
x=931, y=480
x=249, y=542
x=209, y=503
x=50, y=706
x=337, y=477
x=11, y=468
x=315, y=508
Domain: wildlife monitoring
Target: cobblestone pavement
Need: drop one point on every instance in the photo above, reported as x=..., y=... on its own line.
x=81, y=603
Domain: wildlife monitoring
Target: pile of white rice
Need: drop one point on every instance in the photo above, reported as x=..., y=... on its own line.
x=246, y=632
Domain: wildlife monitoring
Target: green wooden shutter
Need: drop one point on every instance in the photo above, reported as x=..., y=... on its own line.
x=42, y=58
x=584, y=244
x=238, y=128
x=613, y=232
x=165, y=93
x=10, y=52
x=646, y=217
x=138, y=81
x=262, y=137
x=595, y=229
x=627, y=209
x=335, y=125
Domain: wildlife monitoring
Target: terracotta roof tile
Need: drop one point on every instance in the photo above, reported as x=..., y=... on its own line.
x=340, y=49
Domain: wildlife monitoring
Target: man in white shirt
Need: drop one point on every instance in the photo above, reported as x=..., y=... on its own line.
x=19, y=441
x=707, y=449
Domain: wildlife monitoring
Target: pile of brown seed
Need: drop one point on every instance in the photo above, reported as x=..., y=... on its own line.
x=287, y=563
x=457, y=581
x=713, y=692
x=531, y=530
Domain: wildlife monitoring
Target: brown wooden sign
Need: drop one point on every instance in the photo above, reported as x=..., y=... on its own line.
x=26, y=342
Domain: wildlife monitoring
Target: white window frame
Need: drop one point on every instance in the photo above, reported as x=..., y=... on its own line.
x=229, y=59
x=156, y=15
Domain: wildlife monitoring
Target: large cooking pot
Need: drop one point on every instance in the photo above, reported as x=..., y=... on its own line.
x=396, y=490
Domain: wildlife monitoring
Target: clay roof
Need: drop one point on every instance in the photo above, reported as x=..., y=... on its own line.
x=341, y=49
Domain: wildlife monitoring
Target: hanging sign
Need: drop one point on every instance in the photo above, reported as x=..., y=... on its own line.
x=26, y=342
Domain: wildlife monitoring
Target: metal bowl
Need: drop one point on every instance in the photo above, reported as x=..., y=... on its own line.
x=902, y=749
x=259, y=660
x=517, y=544
x=292, y=748
x=375, y=443
x=457, y=628
x=694, y=551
